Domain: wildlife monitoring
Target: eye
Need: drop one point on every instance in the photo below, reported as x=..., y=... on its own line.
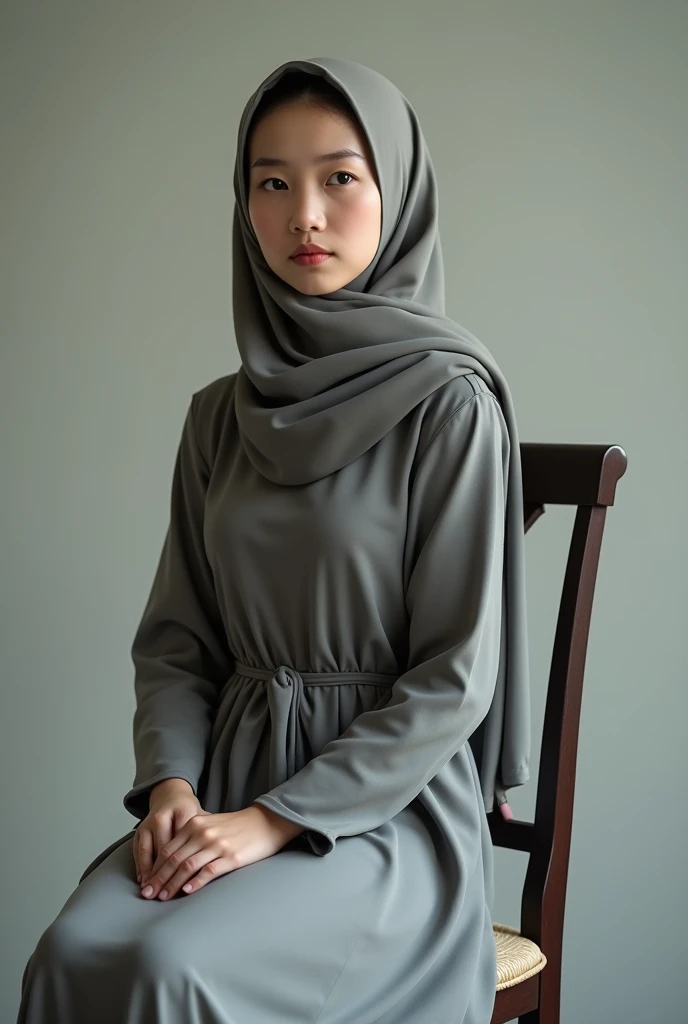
x=346, y=175
x=264, y=183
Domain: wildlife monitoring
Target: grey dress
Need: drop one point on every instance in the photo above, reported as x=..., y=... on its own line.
x=325, y=650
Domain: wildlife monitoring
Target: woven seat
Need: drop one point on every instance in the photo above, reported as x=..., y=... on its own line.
x=517, y=958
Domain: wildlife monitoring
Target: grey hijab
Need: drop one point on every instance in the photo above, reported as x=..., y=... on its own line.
x=324, y=377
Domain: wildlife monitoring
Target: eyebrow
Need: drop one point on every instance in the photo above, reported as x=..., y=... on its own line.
x=340, y=154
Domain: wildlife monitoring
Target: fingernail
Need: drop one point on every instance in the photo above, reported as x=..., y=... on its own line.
x=147, y=891
x=163, y=894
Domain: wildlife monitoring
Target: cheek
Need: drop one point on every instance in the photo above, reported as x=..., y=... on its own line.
x=263, y=223
x=364, y=217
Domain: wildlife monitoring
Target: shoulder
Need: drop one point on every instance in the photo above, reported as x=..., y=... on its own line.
x=462, y=403
x=212, y=412
x=217, y=392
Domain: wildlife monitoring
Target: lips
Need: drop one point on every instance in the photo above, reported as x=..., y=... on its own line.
x=311, y=259
x=309, y=248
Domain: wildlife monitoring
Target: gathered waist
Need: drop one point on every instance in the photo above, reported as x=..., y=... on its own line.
x=286, y=674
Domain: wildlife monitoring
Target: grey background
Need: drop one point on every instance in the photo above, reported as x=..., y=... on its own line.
x=558, y=133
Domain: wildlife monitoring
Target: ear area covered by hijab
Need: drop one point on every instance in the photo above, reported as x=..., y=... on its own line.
x=324, y=377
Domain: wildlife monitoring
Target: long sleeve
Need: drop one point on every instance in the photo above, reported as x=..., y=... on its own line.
x=454, y=566
x=180, y=651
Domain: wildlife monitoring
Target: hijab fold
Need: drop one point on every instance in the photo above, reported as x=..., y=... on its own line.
x=324, y=377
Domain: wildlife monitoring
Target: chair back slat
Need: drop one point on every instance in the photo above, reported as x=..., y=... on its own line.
x=571, y=474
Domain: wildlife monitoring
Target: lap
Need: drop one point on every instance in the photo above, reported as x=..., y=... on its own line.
x=251, y=910
x=289, y=924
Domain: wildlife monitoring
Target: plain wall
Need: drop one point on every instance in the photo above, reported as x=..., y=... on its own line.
x=558, y=133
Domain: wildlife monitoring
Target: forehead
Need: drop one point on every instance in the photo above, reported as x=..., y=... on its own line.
x=298, y=131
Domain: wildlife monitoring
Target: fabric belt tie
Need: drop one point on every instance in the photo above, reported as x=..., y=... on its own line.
x=284, y=694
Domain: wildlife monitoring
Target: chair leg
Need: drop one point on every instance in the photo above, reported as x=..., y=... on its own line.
x=530, y=1018
x=548, y=1010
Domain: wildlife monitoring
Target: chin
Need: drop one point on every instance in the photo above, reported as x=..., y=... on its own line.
x=317, y=289
x=311, y=283
x=313, y=286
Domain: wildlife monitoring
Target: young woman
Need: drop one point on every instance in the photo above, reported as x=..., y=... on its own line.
x=331, y=669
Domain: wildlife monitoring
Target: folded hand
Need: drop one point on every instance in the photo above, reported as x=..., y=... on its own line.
x=210, y=845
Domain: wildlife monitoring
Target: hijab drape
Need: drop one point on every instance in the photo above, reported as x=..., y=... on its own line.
x=324, y=377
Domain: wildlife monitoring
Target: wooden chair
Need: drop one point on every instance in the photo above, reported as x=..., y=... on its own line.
x=529, y=960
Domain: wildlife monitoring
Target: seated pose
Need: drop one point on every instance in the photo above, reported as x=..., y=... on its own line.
x=331, y=670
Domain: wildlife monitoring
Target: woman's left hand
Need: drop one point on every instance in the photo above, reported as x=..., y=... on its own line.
x=210, y=845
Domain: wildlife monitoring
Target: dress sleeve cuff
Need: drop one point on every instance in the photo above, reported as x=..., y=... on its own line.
x=136, y=801
x=319, y=839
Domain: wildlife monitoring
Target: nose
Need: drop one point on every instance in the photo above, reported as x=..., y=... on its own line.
x=308, y=212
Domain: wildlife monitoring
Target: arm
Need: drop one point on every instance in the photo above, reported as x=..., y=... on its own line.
x=179, y=651
x=454, y=563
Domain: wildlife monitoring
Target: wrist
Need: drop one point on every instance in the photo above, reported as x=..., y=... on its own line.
x=174, y=784
x=288, y=829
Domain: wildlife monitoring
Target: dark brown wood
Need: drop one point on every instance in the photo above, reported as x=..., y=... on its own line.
x=584, y=476
x=516, y=1001
x=513, y=835
x=571, y=474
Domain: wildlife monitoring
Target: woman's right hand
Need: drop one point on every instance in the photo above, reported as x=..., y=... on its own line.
x=171, y=804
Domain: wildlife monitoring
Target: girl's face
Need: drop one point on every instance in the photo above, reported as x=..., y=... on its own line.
x=334, y=202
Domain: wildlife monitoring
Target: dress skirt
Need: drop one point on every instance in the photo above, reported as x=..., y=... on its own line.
x=391, y=927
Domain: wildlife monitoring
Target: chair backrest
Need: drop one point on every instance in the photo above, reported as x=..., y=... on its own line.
x=585, y=476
